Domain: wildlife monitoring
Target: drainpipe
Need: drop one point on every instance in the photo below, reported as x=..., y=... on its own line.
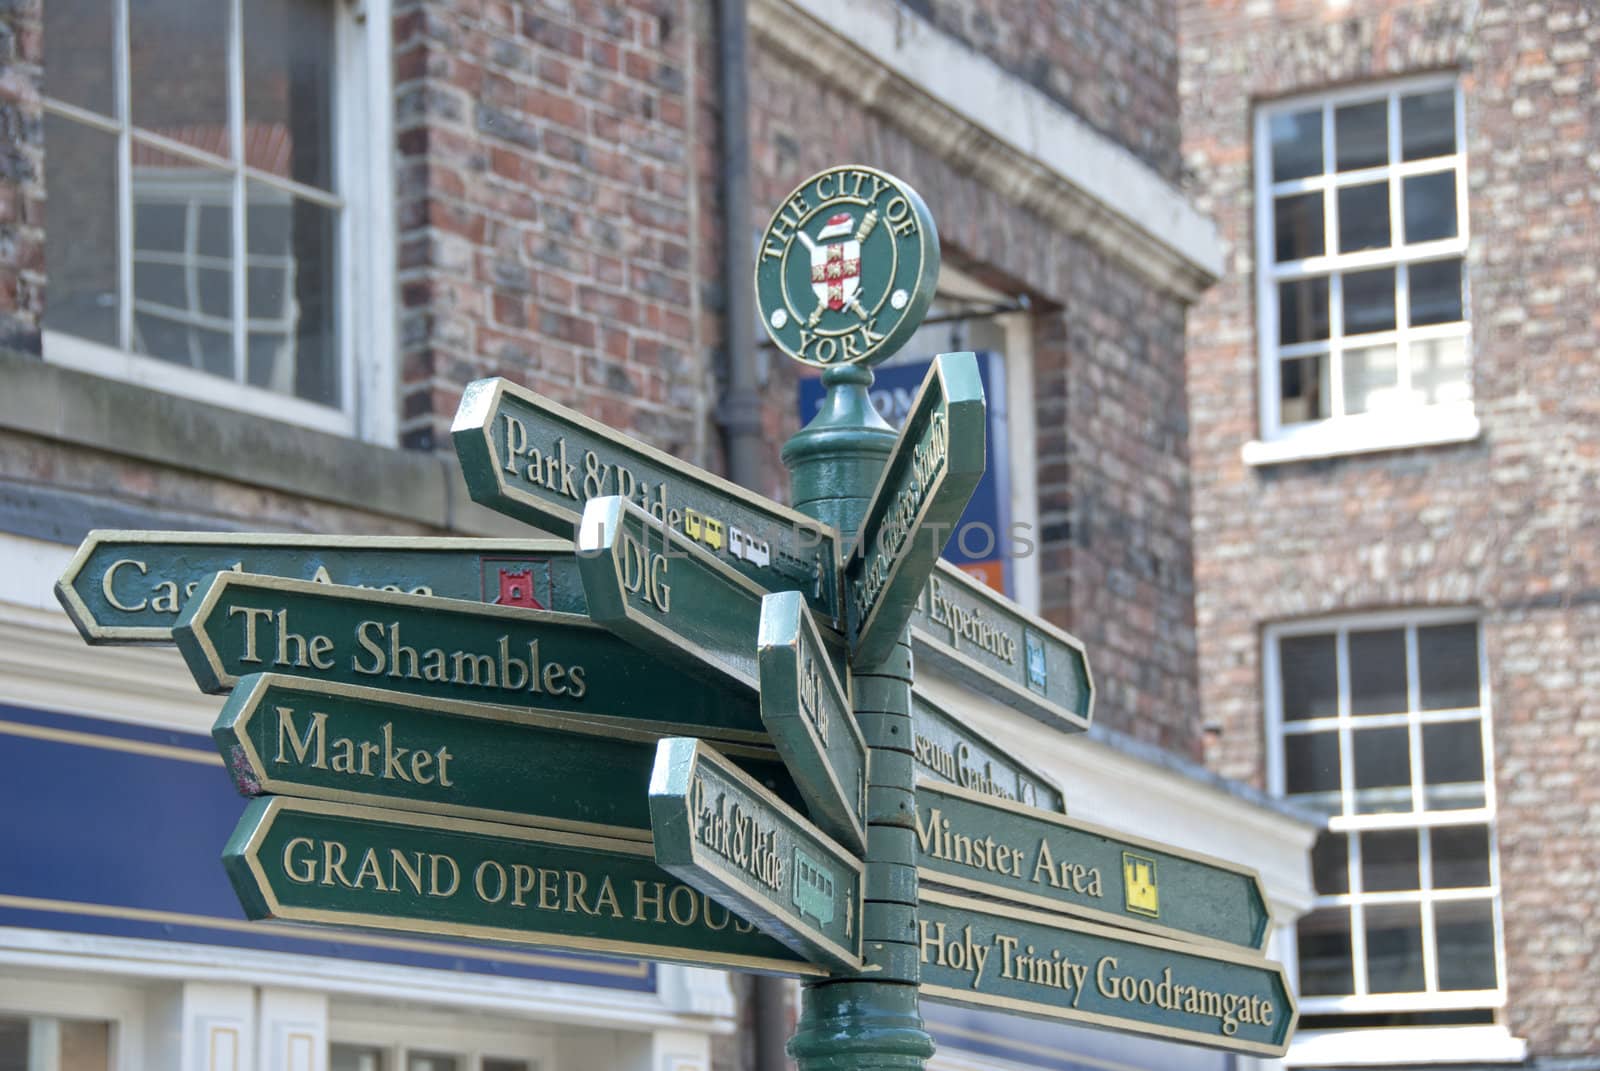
x=739, y=413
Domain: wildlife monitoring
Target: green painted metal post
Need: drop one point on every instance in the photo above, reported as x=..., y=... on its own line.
x=868, y=1022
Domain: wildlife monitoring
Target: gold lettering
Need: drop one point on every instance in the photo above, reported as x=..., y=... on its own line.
x=108, y=582
x=369, y=644
x=369, y=864
x=315, y=733
x=302, y=871
x=251, y=615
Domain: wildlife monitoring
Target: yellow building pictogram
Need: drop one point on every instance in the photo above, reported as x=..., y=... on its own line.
x=1139, y=885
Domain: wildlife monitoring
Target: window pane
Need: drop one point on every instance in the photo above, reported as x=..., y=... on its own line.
x=1378, y=671
x=57, y=1044
x=1361, y=135
x=1324, y=943
x=1371, y=379
x=1303, y=389
x=1447, y=666
x=1389, y=861
x=1430, y=206
x=1310, y=677
x=166, y=285
x=178, y=71
x=13, y=1043
x=1297, y=226
x=290, y=276
x=1428, y=124
x=1311, y=765
x=80, y=36
x=1465, y=932
x=1368, y=301
x=1364, y=217
x=1383, y=771
x=1439, y=370
x=85, y=1045
x=1330, y=864
x=1394, y=948
x=1302, y=311
x=354, y=1058
x=1452, y=765
x=288, y=79
x=1296, y=144
x=182, y=283
x=81, y=261
x=422, y=1061
x=1460, y=857
x=1436, y=292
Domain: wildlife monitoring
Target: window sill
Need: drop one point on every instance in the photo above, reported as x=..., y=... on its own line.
x=1400, y=1045
x=92, y=412
x=1456, y=425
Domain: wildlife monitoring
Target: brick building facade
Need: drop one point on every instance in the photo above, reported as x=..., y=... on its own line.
x=251, y=252
x=1332, y=508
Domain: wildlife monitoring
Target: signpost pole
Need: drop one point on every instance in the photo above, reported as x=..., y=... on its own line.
x=850, y=1022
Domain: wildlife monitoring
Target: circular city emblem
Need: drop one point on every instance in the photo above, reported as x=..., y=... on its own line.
x=847, y=267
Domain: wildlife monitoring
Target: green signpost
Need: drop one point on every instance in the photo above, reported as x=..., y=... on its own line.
x=297, y=737
x=446, y=649
x=130, y=587
x=985, y=955
x=694, y=737
x=658, y=590
x=313, y=861
x=807, y=712
x=950, y=750
x=724, y=834
x=540, y=462
x=926, y=483
x=991, y=645
x=1006, y=851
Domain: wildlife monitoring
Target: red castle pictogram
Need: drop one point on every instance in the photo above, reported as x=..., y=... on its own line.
x=516, y=589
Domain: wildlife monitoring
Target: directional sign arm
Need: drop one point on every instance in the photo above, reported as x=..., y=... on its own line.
x=984, y=955
x=930, y=475
x=656, y=589
x=806, y=710
x=996, y=848
x=988, y=643
x=540, y=462
x=731, y=839
x=448, y=649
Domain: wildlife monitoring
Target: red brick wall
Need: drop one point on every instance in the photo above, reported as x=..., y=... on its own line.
x=546, y=207
x=1113, y=63
x=1507, y=523
x=21, y=174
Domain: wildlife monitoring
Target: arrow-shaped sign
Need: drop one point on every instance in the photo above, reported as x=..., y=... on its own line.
x=1004, y=850
x=540, y=462
x=312, y=861
x=129, y=587
x=806, y=710
x=948, y=749
x=988, y=643
x=931, y=473
x=732, y=839
x=447, y=649
x=984, y=955
x=658, y=590
x=297, y=737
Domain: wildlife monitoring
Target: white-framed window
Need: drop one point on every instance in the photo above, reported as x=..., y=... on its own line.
x=218, y=186
x=1361, y=242
x=1382, y=723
